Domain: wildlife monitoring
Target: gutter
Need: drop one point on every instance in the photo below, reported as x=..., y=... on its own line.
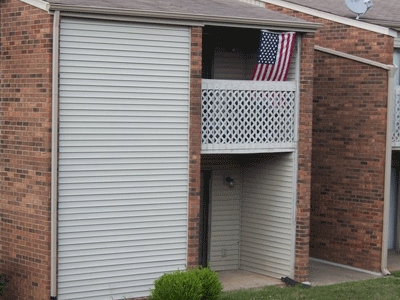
x=388, y=165
x=384, y=23
x=54, y=156
x=203, y=19
x=388, y=152
x=44, y=5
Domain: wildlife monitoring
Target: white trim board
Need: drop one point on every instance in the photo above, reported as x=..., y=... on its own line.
x=132, y=19
x=353, y=57
x=254, y=2
x=397, y=42
x=332, y=17
x=38, y=3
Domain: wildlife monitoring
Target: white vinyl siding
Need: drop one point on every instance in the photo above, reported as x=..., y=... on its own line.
x=225, y=221
x=239, y=66
x=123, y=157
x=267, y=217
x=233, y=65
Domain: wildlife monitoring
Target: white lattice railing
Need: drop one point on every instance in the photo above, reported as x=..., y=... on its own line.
x=396, y=118
x=247, y=116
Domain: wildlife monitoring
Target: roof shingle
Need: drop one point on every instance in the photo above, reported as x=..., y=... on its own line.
x=383, y=12
x=196, y=10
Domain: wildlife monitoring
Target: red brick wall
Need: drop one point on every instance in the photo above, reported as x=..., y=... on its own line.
x=304, y=159
x=25, y=108
x=195, y=146
x=348, y=156
x=348, y=162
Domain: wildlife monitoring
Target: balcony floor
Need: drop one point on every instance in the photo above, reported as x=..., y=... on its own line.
x=248, y=148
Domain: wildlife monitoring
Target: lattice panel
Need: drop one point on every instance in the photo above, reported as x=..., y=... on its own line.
x=248, y=113
x=396, y=118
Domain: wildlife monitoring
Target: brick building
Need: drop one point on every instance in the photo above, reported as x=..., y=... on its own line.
x=113, y=156
x=354, y=198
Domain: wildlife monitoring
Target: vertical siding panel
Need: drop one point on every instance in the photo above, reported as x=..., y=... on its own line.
x=123, y=161
x=225, y=211
x=231, y=65
x=225, y=221
x=267, y=217
x=240, y=66
x=293, y=63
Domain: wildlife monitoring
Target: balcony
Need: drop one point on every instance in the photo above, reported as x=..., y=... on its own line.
x=396, y=119
x=248, y=116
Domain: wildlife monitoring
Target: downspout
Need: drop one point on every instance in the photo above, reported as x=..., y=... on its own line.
x=388, y=165
x=54, y=156
x=296, y=156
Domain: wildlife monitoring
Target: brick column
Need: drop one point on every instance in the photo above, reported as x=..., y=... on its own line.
x=25, y=149
x=195, y=146
x=304, y=158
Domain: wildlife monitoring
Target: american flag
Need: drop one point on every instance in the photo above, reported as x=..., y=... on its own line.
x=274, y=54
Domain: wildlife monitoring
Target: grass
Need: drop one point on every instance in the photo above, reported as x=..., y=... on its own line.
x=396, y=274
x=385, y=288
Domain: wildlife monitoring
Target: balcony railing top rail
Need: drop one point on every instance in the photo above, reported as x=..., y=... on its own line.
x=247, y=116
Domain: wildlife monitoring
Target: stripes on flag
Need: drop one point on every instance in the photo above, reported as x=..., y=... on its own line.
x=274, y=55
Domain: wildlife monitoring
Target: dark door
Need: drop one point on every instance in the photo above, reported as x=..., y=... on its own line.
x=204, y=217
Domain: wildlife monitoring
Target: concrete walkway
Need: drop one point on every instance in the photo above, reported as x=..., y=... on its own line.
x=321, y=273
x=240, y=279
x=393, y=261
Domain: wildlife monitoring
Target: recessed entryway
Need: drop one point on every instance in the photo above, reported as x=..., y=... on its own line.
x=247, y=207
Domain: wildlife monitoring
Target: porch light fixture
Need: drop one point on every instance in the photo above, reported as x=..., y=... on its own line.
x=229, y=181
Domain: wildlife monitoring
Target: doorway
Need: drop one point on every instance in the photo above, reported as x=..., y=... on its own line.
x=204, y=217
x=247, y=213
